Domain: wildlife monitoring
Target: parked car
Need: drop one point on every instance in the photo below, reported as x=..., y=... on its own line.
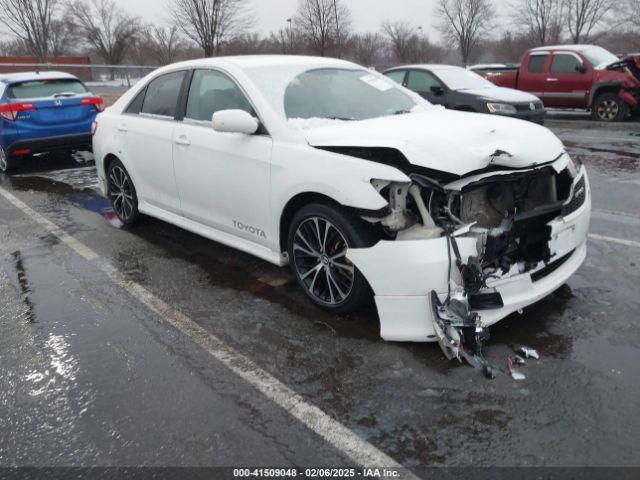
x=42, y=112
x=461, y=89
x=577, y=76
x=451, y=220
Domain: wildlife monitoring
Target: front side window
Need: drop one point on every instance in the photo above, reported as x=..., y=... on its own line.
x=420, y=81
x=537, y=63
x=163, y=94
x=212, y=91
x=565, y=63
x=46, y=89
x=342, y=94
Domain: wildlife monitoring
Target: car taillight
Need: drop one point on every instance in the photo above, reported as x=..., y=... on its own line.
x=97, y=101
x=94, y=128
x=10, y=111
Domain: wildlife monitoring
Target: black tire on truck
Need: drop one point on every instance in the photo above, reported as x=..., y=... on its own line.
x=609, y=107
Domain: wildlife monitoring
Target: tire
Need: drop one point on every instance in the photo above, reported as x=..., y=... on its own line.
x=122, y=194
x=7, y=164
x=608, y=107
x=320, y=266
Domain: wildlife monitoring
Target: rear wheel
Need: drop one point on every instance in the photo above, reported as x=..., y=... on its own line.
x=608, y=107
x=122, y=194
x=7, y=164
x=319, y=238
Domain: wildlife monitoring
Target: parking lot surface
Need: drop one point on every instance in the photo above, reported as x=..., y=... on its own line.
x=96, y=370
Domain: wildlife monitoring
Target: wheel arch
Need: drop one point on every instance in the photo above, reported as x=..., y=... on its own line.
x=306, y=198
x=108, y=160
x=601, y=88
x=293, y=206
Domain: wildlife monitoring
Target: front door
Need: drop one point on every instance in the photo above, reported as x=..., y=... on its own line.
x=568, y=82
x=428, y=86
x=223, y=178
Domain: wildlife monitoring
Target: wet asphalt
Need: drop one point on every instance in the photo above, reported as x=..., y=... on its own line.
x=89, y=376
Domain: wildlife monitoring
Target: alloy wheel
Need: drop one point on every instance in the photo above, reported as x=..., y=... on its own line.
x=320, y=260
x=121, y=193
x=608, y=110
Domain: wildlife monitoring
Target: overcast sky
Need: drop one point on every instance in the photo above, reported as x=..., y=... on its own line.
x=272, y=14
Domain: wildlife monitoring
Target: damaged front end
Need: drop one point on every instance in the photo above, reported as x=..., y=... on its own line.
x=467, y=252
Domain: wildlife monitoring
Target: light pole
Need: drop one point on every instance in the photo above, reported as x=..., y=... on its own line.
x=290, y=35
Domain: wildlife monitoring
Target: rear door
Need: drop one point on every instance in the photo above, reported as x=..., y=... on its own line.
x=145, y=134
x=534, y=73
x=57, y=107
x=569, y=81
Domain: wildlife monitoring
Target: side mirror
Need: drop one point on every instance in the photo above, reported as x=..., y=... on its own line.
x=234, y=121
x=581, y=69
x=437, y=91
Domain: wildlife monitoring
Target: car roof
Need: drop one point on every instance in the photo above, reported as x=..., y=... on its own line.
x=29, y=76
x=570, y=48
x=427, y=66
x=260, y=61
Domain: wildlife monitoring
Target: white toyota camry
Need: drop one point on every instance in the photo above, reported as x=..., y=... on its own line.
x=450, y=220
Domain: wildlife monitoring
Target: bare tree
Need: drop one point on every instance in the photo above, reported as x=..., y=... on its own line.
x=165, y=43
x=325, y=23
x=105, y=27
x=367, y=48
x=400, y=36
x=30, y=21
x=542, y=18
x=63, y=39
x=584, y=16
x=209, y=23
x=465, y=23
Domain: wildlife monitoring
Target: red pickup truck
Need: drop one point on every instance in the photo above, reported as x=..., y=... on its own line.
x=576, y=76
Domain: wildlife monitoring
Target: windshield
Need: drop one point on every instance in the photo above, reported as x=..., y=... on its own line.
x=344, y=95
x=46, y=88
x=461, y=79
x=599, y=57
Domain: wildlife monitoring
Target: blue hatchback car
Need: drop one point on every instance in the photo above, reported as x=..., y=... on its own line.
x=44, y=112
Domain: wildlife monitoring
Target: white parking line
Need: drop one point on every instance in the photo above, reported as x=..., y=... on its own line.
x=336, y=434
x=619, y=241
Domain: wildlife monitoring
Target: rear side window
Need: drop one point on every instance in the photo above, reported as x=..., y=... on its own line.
x=537, y=63
x=46, y=88
x=420, y=81
x=212, y=91
x=565, y=63
x=163, y=94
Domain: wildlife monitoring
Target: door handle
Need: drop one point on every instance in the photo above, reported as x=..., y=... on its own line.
x=182, y=140
x=123, y=128
x=552, y=79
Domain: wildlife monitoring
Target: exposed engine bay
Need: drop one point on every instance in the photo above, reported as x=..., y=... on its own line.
x=506, y=212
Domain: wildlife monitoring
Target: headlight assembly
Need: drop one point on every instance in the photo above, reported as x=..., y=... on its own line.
x=501, y=108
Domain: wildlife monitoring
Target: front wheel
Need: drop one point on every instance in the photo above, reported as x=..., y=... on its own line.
x=319, y=238
x=7, y=164
x=122, y=194
x=609, y=107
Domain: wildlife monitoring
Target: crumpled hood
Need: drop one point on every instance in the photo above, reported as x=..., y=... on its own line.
x=501, y=94
x=446, y=140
